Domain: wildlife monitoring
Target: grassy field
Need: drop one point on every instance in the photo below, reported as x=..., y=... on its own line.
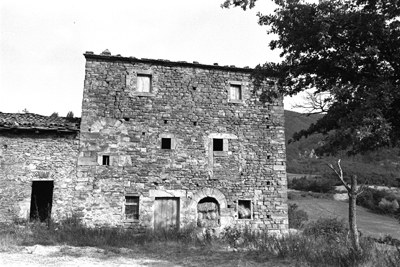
x=368, y=223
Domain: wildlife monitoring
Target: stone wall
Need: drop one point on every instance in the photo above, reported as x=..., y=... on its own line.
x=190, y=104
x=28, y=156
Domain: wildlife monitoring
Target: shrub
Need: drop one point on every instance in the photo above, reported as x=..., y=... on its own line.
x=379, y=201
x=329, y=228
x=319, y=185
x=296, y=217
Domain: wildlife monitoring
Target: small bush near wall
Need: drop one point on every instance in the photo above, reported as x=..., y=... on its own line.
x=297, y=218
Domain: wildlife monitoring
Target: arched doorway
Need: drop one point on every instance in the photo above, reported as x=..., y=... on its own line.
x=208, y=213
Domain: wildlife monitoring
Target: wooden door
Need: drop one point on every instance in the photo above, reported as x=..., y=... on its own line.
x=166, y=213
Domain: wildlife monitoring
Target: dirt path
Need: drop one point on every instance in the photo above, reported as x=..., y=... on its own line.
x=75, y=256
x=157, y=256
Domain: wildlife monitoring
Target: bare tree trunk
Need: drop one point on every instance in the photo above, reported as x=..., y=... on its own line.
x=353, y=214
x=353, y=192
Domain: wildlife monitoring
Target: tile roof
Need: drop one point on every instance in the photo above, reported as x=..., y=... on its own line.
x=31, y=121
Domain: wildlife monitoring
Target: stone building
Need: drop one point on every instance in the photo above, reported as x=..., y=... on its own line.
x=167, y=144
x=37, y=166
x=161, y=144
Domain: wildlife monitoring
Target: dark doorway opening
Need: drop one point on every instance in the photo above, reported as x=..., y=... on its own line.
x=41, y=200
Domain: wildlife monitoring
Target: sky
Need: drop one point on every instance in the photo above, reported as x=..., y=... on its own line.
x=42, y=43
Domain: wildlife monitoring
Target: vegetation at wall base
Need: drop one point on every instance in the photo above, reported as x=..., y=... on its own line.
x=324, y=243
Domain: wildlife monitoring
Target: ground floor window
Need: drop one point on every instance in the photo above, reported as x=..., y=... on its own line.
x=244, y=209
x=132, y=207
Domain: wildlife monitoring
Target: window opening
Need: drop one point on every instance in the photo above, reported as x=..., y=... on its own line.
x=106, y=160
x=218, y=144
x=244, y=209
x=165, y=121
x=166, y=143
x=132, y=207
x=235, y=92
x=144, y=83
x=195, y=123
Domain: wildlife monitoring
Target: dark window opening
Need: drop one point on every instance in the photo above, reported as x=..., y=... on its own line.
x=143, y=133
x=195, y=123
x=268, y=157
x=166, y=143
x=106, y=160
x=194, y=88
x=244, y=209
x=41, y=200
x=218, y=144
x=132, y=207
x=165, y=121
x=268, y=183
x=126, y=119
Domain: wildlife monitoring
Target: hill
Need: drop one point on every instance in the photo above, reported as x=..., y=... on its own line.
x=379, y=168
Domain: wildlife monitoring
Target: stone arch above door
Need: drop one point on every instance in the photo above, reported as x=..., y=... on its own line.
x=209, y=192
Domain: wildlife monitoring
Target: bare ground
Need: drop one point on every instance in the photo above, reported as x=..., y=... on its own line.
x=155, y=256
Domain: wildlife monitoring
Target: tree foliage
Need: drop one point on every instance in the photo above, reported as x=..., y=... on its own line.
x=349, y=49
x=70, y=115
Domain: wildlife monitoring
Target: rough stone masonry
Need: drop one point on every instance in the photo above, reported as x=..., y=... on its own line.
x=168, y=144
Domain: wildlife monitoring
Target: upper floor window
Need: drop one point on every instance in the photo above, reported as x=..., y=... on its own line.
x=106, y=160
x=235, y=92
x=218, y=144
x=144, y=83
x=166, y=143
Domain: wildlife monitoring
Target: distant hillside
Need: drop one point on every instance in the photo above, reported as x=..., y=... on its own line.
x=295, y=122
x=379, y=167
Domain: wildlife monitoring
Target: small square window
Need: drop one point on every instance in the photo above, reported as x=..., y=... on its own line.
x=166, y=143
x=244, y=209
x=218, y=144
x=143, y=83
x=235, y=92
x=106, y=160
x=131, y=207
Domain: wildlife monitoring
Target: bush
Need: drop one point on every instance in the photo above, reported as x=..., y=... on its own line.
x=328, y=228
x=296, y=217
x=380, y=201
x=319, y=185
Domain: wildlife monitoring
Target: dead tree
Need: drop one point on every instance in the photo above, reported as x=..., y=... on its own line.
x=353, y=192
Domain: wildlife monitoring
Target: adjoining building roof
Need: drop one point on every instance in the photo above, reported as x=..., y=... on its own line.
x=31, y=121
x=106, y=55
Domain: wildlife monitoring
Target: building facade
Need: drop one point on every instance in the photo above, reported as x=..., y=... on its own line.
x=168, y=144
x=38, y=157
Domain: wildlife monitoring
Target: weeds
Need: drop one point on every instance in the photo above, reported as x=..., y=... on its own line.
x=324, y=243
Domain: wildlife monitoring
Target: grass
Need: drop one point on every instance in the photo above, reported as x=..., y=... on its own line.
x=190, y=247
x=369, y=223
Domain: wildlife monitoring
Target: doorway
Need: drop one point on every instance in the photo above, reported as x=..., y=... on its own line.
x=41, y=200
x=166, y=213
